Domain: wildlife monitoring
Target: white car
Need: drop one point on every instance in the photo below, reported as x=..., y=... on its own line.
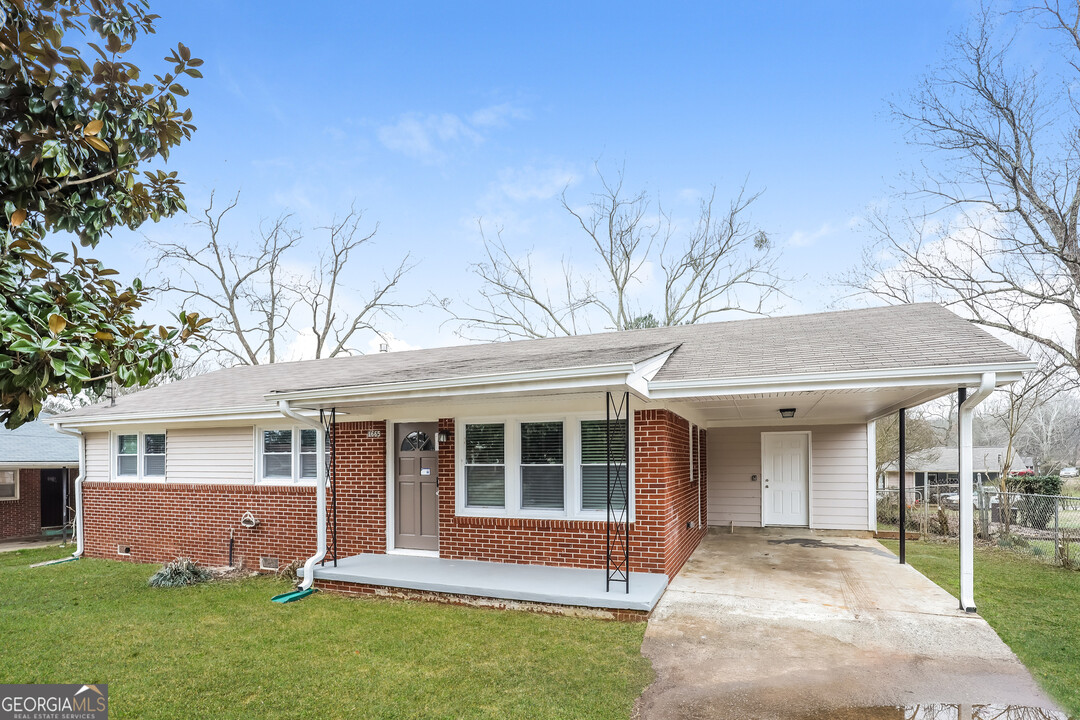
x=1070, y=472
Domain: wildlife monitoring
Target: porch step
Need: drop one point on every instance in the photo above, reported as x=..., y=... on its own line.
x=504, y=581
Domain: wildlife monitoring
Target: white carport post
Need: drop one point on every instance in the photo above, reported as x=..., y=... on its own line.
x=966, y=530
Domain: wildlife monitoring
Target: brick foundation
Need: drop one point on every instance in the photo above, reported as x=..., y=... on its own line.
x=22, y=517
x=382, y=591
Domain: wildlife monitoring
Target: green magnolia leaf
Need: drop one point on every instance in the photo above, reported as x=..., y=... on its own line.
x=82, y=135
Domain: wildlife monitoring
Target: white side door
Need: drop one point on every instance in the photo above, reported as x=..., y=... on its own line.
x=785, y=459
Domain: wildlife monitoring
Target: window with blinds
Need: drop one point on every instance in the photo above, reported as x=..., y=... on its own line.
x=277, y=453
x=127, y=455
x=309, y=466
x=485, y=465
x=594, y=464
x=154, y=454
x=542, y=472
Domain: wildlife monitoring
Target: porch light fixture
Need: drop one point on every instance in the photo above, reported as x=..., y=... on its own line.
x=787, y=412
x=444, y=436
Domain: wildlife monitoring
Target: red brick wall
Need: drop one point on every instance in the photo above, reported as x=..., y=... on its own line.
x=361, y=488
x=161, y=522
x=164, y=521
x=665, y=499
x=22, y=517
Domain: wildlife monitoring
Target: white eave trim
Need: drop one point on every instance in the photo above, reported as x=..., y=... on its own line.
x=943, y=376
x=573, y=378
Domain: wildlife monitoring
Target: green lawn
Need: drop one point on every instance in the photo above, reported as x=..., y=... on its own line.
x=224, y=650
x=1033, y=606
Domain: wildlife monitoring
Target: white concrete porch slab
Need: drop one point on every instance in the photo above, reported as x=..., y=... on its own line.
x=505, y=581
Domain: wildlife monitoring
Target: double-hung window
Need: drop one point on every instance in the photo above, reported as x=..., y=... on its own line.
x=543, y=477
x=485, y=465
x=289, y=454
x=140, y=455
x=594, y=464
x=543, y=467
x=9, y=484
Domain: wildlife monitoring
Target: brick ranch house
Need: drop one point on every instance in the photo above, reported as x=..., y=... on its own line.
x=38, y=466
x=483, y=470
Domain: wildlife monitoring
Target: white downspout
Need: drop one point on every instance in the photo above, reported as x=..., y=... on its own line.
x=78, y=487
x=967, y=523
x=320, y=491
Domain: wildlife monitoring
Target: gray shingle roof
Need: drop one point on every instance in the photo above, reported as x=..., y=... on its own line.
x=904, y=336
x=37, y=442
x=947, y=460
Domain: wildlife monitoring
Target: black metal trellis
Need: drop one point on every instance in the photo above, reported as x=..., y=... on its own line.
x=617, y=431
x=329, y=421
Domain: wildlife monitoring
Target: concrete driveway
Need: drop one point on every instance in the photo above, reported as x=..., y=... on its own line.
x=797, y=625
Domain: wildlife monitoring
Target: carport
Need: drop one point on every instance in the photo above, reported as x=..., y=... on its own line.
x=761, y=621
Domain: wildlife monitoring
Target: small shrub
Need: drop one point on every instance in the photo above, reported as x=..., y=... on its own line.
x=179, y=573
x=1012, y=541
x=289, y=571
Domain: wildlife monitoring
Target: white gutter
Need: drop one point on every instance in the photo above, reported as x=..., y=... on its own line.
x=320, y=491
x=967, y=526
x=78, y=486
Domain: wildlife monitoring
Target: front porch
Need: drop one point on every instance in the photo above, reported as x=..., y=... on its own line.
x=555, y=586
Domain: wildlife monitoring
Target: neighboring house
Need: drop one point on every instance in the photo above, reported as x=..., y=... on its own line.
x=941, y=466
x=501, y=452
x=38, y=466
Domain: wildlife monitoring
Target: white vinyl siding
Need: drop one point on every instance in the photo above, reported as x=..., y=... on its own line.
x=97, y=456
x=838, y=492
x=210, y=455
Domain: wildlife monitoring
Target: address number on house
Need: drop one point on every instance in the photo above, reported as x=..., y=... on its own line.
x=374, y=433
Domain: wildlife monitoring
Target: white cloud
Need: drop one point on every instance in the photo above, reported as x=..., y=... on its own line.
x=429, y=136
x=497, y=115
x=801, y=238
x=532, y=183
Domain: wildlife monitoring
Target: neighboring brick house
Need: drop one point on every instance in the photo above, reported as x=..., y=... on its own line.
x=38, y=466
x=519, y=454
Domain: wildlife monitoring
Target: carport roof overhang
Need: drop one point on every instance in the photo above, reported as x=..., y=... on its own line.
x=850, y=395
x=846, y=396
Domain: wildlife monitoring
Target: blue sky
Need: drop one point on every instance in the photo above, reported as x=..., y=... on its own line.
x=430, y=116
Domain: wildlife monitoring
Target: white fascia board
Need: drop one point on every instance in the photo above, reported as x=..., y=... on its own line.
x=186, y=417
x=946, y=375
x=574, y=378
x=645, y=371
x=39, y=464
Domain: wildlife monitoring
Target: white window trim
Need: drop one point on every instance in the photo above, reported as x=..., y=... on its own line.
x=295, y=460
x=140, y=455
x=18, y=485
x=572, y=509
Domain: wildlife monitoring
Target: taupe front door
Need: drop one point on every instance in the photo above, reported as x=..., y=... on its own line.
x=416, y=483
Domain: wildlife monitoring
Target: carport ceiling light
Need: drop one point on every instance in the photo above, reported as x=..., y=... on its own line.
x=787, y=412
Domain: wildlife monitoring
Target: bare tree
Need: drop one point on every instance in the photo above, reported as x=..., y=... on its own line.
x=1052, y=435
x=998, y=234
x=723, y=263
x=920, y=436
x=332, y=326
x=254, y=295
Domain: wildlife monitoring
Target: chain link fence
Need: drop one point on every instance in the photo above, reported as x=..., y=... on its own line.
x=1046, y=527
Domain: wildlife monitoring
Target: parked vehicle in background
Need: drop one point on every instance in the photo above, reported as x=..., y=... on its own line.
x=1069, y=472
x=951, y=501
